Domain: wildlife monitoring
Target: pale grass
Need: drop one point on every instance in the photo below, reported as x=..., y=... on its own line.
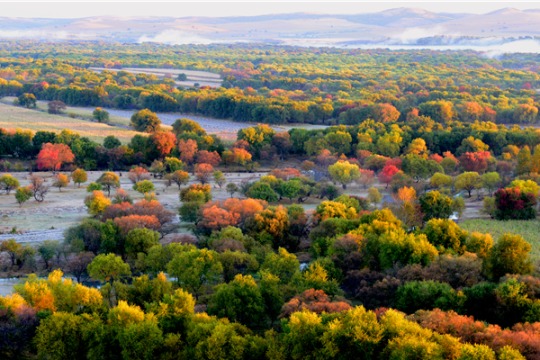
x=13, y=117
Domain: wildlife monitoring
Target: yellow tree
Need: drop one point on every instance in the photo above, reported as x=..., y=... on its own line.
x=344, y=172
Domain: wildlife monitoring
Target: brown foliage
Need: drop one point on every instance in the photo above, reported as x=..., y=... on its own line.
x=164, y=142
x=313, y=300
x=130, y=222
x=207, y=157
x=52, y=156
x=188, y=149
x=203, y=172
x=137, y=174
x=286, y=173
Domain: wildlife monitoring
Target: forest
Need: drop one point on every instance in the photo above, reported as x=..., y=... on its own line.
x=343, y=241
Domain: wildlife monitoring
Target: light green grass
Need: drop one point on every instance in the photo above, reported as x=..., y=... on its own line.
x=14, y=117
x=529, y=229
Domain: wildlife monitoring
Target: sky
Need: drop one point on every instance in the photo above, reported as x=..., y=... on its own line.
x=78, y=9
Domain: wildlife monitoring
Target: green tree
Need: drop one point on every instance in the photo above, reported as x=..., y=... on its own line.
x=101, y=115
x=374, y=196
x=446, y=235
x=195, y=268
x=58, y=337
x=262, y=190
x=108, y=267
x=145, y=121
x=468, y=181
x=344, y=172
x=524, y=161
x=140, y=241
x=510, y=255
x=435, y=205
x=47, y=250
x=427, y=295
x=144, y=186
x=240, y=300
x=219, y=178
x=111, y=142
x=23, y=194
x=8, y=183
x=27, y=100
x=232, y=188
x=491, y=181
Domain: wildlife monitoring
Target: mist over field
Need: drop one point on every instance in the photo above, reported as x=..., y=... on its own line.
x=502, y=31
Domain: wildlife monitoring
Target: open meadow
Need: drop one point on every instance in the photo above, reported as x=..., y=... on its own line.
x=14, y=117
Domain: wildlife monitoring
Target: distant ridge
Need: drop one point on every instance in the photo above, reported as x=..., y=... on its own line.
x=407, y=26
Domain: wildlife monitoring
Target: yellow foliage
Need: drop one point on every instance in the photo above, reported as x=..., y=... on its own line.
x=125, y=314
x=12, y=302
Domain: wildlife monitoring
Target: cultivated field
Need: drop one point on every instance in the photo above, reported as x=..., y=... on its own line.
x=203, y=78
x=529, y=229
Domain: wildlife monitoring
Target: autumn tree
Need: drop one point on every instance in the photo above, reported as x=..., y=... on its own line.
x=208, y=157
x=56, y=107
x=179, y=177
x=138, y=173
x=164, y=142
x=145, y=121
x=38, y=187
x=27, y=100
x=187, y=149
x=61, y=181
x=344, y=172
x=52, y=156
x=203, y=172
x=79, y=176
x=512, y=203
x=510, y=255
x=109, y=268
x=97, y=203
x=387, y=173
x=109, y=180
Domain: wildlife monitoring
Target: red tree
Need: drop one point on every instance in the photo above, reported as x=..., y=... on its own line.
x=475, y=161
x=164, y=142
x=52, y=156
x=387, y=173
x=188, y=149
x=208, y=157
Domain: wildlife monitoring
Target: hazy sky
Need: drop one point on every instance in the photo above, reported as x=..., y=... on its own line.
x=74, y=9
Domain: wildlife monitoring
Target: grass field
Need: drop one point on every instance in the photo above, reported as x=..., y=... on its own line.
x=14, y=117
x=529, y=229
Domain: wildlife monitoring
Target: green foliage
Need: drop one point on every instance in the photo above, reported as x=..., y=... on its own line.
x=263, y=191
x=144, y=186
x=425, y=295
x=240, y=300
x=108, y=267
x=435, y=205
x=145, y=121
x=510, y=255
x=446, y=235
x=195, y=268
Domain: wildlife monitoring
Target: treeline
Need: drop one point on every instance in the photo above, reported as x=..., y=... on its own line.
x=269, y=84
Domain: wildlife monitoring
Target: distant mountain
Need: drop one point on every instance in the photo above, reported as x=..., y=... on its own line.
x=400, y=26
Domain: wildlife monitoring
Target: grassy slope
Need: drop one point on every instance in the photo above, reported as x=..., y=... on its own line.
x=12, y=117
x=530, y=230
